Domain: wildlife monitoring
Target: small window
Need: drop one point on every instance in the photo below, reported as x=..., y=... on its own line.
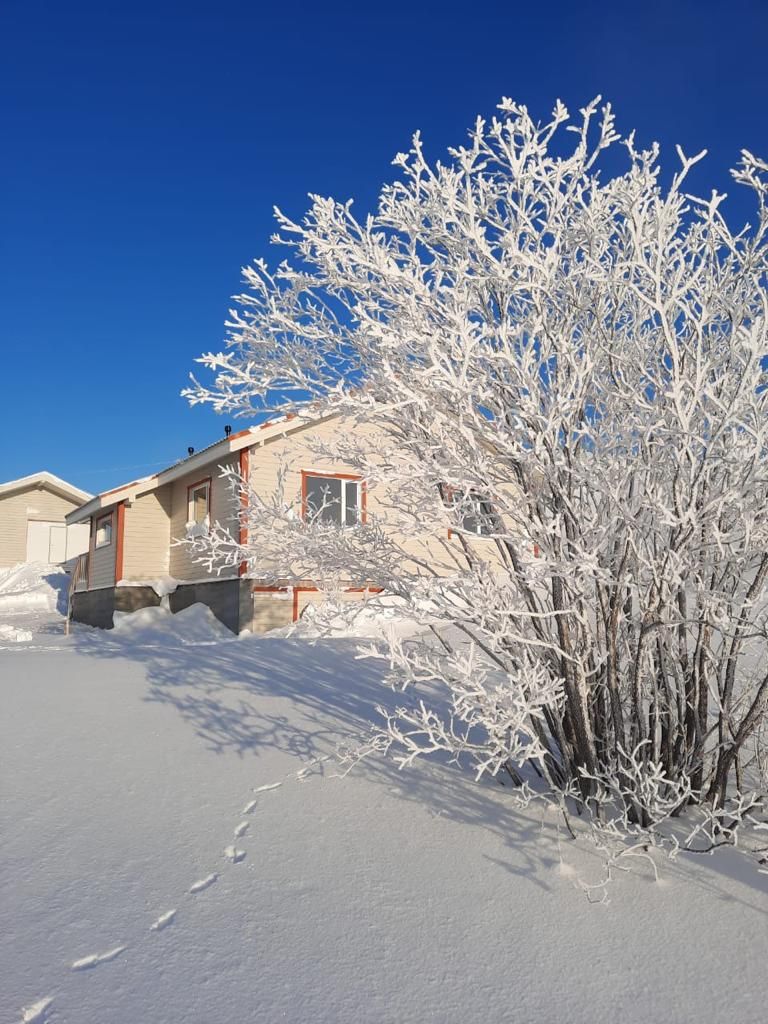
x=478, y=515
x=199, y=501
x=333, y=500
x=103, y=531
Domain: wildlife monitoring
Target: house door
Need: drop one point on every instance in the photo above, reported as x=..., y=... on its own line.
x=46, y=542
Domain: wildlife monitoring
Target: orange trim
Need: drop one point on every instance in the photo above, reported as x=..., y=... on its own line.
x=133, y=483
x=273, y=423
x=120, y=542
x=295, y=616
x=243, y=539
x=335, y=476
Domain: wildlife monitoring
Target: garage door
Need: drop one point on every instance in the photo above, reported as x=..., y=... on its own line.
x=46, y=542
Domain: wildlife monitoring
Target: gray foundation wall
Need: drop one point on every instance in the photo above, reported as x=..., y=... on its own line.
x=97, y=607
x=223, y=597
x=229, y=600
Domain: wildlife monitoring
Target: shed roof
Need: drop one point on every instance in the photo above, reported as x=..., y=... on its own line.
x=45, y=479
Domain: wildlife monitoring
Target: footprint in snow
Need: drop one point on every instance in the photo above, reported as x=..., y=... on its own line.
x=98, y=958
x=35, y=1014
x=233, y=854
x=203, y=884
x=249, y=807
x=163, y=921
x=241, y=829
x=266, y=789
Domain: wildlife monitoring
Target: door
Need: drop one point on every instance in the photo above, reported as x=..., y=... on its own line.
x=57, y=550
x=46, y=542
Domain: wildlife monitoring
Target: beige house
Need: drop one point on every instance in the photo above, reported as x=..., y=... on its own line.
x=133, y=529
x=32, y=520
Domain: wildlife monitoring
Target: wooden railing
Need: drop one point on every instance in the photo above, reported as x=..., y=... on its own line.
x=79, y=575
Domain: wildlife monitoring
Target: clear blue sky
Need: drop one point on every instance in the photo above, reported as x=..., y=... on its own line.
x=144, y=145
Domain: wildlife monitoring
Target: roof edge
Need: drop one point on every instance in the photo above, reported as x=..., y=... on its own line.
x=44, y=477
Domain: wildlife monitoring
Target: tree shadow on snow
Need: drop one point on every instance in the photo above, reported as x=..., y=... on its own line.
x=304, y=698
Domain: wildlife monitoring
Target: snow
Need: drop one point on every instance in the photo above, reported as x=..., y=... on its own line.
x=31, y=586
x=162, y=585
x=193, y=625
x=131, y=758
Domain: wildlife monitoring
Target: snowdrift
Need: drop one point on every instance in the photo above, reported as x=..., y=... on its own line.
x=193, y=625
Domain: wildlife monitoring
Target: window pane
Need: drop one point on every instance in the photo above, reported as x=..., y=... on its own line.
x=323, y=499
x=199, y=504
x=104, y=532
x=352, y=502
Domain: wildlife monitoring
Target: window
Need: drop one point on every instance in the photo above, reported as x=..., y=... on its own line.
x=477, y=513
x=103, y=531
x=333, y=499
x=198, y=503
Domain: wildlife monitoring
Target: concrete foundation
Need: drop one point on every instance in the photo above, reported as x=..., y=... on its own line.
x=238, y=604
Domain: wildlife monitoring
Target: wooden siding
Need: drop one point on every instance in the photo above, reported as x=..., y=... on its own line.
x=146, y=550
x=16, y=509
x=441, y=553
x=224, y=510
x=102, y=560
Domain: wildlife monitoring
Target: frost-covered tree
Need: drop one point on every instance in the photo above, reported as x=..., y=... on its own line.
x=573, y=364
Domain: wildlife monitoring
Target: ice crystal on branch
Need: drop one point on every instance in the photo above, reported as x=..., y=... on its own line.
x=583, y=354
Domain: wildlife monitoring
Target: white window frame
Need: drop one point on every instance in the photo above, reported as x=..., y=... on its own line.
x=456, y=498
x=99, y=521
x=191, y=491
x=345, y=479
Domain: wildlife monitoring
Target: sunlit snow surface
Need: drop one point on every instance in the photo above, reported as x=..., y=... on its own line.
x=177, y=847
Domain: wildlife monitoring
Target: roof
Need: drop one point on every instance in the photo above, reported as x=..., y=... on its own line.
x=259, y=434
x=45, y=479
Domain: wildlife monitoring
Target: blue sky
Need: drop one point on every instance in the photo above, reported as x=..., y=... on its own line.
x=144, y=145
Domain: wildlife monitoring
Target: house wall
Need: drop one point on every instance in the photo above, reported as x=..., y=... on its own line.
x=224, y=510
x=147, y=536
x=438, y=552
x=101, y=569
x=36, y=503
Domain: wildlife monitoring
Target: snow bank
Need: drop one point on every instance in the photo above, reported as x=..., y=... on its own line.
x=14, y=634
x=31, y=586
x=375, y=617
x=194, y=625
x=162, y=585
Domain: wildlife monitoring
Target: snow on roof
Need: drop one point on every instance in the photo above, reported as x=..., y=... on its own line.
x=44, y=478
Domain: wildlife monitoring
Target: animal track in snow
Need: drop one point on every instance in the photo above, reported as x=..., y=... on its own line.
x=241, y=829
x=203, y=883
x=249, y=807
x=266, y=789
x=98, y=958
x=35, y=1013
x=163, y=921
x=233, y=854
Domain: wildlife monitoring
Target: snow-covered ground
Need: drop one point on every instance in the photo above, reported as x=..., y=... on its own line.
x=177, y=846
